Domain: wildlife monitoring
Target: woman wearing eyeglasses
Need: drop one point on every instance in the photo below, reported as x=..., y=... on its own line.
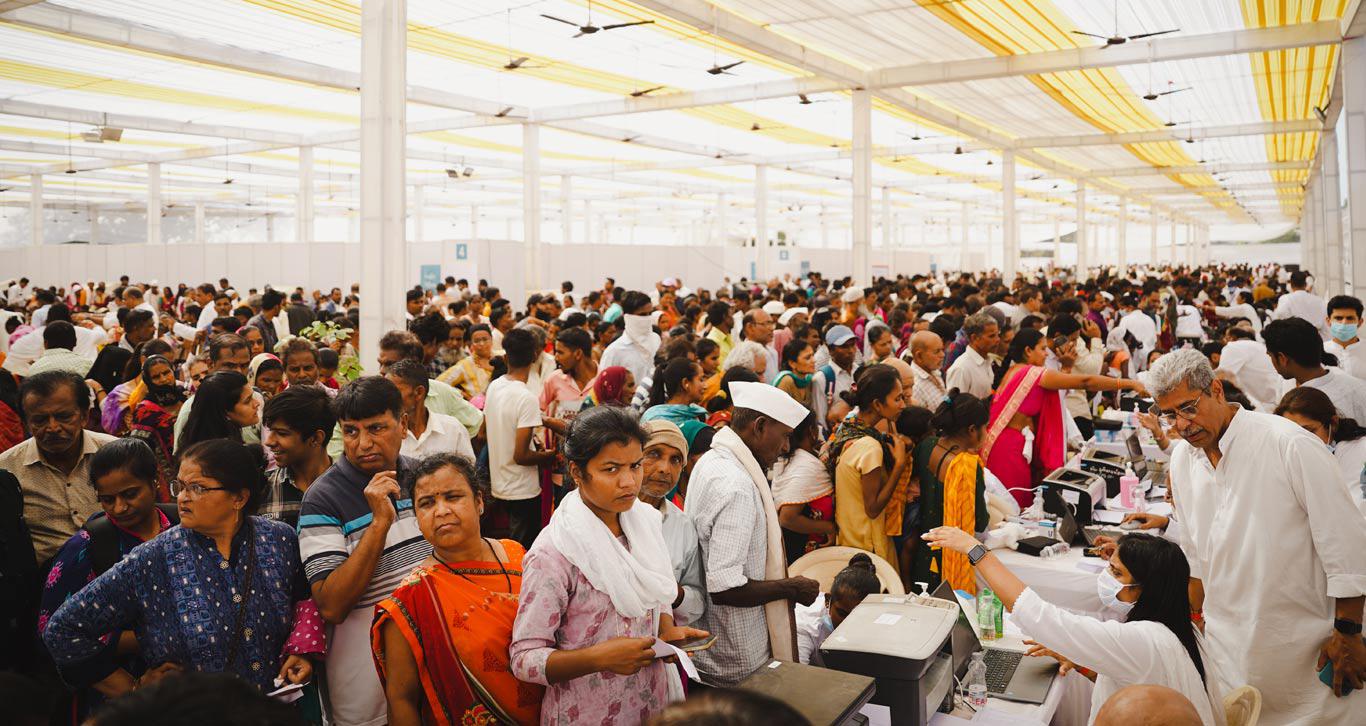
x=1149, y=639
x=223, y=592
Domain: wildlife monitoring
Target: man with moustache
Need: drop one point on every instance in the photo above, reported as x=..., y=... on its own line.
x=665, y=454
x=53, y=466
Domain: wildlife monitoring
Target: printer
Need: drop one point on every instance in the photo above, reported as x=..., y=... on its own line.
x=1079, y=490
x=902, y=642
x=1106, y=465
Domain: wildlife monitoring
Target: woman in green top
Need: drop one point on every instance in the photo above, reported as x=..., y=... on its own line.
x=797, y=368
x=952, y=488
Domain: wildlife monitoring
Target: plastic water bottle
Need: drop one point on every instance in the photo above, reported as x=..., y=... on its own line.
x=976, y=681
x=986, y=615
x=998, y=609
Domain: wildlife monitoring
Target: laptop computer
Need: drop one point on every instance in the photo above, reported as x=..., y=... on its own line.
x=1069, y=530
x=1137, y=460
x=1011, y=674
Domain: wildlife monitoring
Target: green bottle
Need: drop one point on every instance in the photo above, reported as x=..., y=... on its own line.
x=998, y=609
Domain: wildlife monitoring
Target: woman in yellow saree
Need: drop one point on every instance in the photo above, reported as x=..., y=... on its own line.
x=952, y=487
x=441, y=640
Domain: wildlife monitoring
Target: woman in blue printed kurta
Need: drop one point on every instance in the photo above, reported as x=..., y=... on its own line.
x=222, y=592
x=124, y=475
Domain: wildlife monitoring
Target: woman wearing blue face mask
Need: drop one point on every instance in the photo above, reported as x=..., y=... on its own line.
x=1153, y=641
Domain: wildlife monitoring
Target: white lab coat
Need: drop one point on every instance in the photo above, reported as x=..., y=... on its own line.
x=1122, y=654
x=1276, y=539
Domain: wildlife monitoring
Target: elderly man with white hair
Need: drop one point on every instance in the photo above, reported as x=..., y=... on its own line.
x=1275, y=542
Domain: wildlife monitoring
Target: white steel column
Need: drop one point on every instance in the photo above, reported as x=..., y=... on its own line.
x=964, y=235
x=1332, y=215
x=863, y=185
x=1057, y=241
x=474, y=222
x=35, y=209
x=1353, y=70
x=721, y=218
x=1309, y=229
x=419, y=212
x=1171, y=243
x=199, y=223
x=153, y=203
x=1083, y=258
x=566, y=210
x=383, y=147
x=887, y=218
x=303, y=205
x=1152, y=239
x=588, y=221
x=531, y=204
x=1122, y=233
x=762, y=257
x=825, y=227
x=1010, y=223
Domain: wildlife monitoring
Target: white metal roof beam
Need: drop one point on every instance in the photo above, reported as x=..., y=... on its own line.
x=958, y=71
x=1166, y=48
x=143, y=123
x=1143, y=137
x=1200, y=169
x=113, y=31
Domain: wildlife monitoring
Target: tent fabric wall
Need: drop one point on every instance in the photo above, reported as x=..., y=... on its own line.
x=323, y=265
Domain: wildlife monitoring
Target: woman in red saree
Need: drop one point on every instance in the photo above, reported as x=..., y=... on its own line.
x=1027, y=398
x=441, y=640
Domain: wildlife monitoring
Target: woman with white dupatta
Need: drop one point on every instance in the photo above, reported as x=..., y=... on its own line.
x=598, y=587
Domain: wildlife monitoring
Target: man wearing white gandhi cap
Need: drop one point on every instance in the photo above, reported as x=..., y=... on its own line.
x=729, y=500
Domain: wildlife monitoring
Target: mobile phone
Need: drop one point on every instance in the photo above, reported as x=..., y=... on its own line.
x=694, y=645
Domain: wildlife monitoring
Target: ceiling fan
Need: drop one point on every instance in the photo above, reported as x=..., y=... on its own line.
x=1116, y=38
x=518, y=63
x=1151, y=96
x=646, y=91
x=589, y=28
x=717, y=70
x=804, y=100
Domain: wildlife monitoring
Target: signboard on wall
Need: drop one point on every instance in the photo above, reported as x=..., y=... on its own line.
x=430, y=276
x=782, y=255
x=462, y=251
x=806, y=268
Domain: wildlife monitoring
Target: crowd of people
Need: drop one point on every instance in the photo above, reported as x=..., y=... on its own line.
x=499, y=522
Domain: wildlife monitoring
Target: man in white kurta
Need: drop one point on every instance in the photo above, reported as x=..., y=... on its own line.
x=1275, y=539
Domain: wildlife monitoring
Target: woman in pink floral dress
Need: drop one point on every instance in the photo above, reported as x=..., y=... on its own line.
x=598, y=587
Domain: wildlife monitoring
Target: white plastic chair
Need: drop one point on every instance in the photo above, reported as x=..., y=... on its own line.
x=1243, y=706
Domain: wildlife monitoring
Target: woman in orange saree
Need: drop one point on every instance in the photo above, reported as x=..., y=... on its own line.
x=441, y=640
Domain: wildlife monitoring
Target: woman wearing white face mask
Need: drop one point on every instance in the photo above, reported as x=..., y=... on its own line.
x=1153, y=642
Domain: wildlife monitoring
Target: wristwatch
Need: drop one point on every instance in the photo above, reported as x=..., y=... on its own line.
x=1342, y=625
x=976, y=554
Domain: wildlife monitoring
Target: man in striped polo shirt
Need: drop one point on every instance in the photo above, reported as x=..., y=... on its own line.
x=358, y=538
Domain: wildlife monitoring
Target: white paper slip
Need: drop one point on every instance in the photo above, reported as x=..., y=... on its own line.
x=1108, y=516
x=664, y=650
x=887, y=619
x=288, y=693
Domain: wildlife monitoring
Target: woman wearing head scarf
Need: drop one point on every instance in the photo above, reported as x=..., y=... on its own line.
x=116, y=412
x=154, y=418
x=614, y=387
x=265, y=374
